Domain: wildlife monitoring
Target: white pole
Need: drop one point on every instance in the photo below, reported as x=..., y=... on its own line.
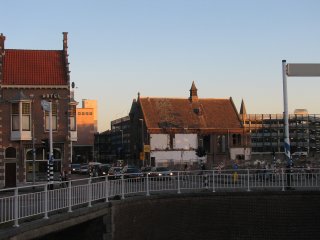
x=51, y=144
x=33, y=154
x=285, y=114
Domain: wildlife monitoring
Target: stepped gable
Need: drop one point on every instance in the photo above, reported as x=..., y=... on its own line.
x=35, y=67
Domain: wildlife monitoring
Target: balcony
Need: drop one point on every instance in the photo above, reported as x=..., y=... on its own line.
x=21, y=136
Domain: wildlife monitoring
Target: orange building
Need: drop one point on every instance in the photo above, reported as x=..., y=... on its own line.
x=86, y=128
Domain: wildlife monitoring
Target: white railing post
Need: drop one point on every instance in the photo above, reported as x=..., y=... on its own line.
x=179, y=191
x=16, y=208
x=70, y=196
x=282, y=176
x=122, y=186
x=248, y=172
x=107, y=188
x=206, y=182
x=148, y=191
x=46, y=201
x=90, y=192
x=213, y=182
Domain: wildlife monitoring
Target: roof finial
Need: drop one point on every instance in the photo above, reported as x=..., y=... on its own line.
x=193, y=93
x=243, y=111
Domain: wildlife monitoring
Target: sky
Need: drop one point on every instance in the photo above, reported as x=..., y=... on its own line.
x=229, y=48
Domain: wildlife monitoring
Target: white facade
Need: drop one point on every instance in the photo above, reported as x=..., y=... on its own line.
x=234, y=152
x=182, y=151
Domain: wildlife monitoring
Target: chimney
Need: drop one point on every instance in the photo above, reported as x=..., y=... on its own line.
x=65, y=50
x=2, y=39
x=65, y=41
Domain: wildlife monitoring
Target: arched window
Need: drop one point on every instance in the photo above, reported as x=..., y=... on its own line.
x=10, y=152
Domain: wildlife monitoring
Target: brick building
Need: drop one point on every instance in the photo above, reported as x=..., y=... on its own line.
x=170, y=131
x=26, y=78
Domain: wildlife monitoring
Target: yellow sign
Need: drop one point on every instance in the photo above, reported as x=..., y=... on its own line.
x=141, y=155
x=146, y=148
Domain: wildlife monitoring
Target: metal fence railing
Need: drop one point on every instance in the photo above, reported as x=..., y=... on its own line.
x=39, y=200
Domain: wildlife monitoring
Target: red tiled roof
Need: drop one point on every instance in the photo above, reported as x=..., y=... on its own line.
x=181, y=113
x=34, y=67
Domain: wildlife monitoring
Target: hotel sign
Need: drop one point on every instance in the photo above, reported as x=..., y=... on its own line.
x=51, y=96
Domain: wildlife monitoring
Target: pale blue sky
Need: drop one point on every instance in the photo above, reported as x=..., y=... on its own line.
x=230, y=48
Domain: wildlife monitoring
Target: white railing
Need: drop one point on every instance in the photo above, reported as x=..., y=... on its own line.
x=30, y=201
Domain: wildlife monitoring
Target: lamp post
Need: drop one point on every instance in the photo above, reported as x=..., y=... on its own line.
x=294, y=70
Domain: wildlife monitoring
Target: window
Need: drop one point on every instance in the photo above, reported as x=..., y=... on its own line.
x=221, y=144
x=236, y=139
x=54, y=118
x=15, y=117
x=25, y=116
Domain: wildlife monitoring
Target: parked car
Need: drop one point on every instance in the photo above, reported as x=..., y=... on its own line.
x=84, y=169
x=75, y=167
x=114, y=173
x=132, y=172
x=94, y=169
x=160, y=172
x=103, y=169
x=146, y=171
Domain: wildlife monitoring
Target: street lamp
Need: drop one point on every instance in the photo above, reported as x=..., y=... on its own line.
x=294, y=70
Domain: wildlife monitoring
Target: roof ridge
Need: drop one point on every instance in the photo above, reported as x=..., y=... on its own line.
x=42, y=50
x=184, y=98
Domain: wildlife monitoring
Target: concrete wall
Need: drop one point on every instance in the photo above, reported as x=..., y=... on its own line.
x=236, y=215
x=287, y=215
